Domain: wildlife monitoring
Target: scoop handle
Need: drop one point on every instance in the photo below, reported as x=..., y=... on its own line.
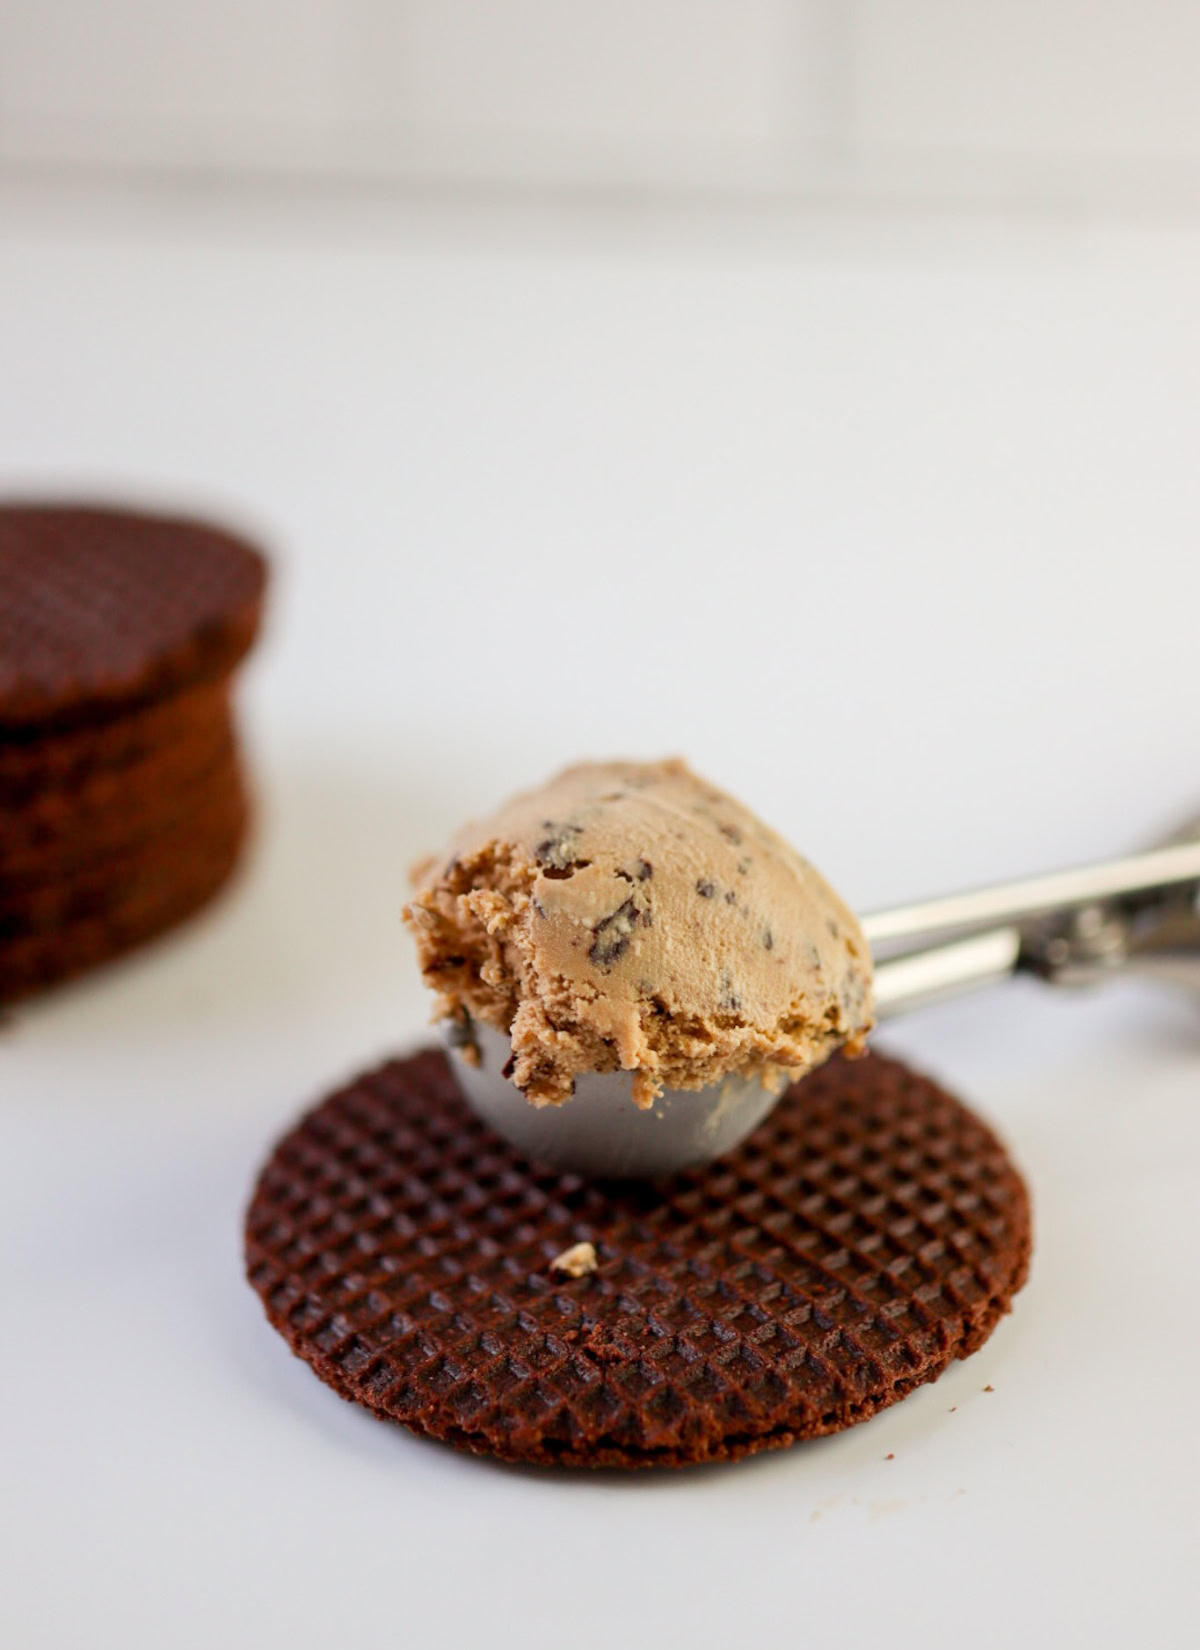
x=1138, y=914
x=1172, y=870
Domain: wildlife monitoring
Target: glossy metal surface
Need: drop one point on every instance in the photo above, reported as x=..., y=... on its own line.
x=599, y=1132
x=1153, y=875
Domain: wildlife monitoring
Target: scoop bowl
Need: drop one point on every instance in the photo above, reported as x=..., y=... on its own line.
x=599, y=1132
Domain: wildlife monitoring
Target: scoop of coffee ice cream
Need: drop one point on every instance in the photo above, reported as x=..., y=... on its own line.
x=629, y=915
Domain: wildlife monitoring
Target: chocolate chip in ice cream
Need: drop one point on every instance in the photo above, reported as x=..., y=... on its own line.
x=613, y=934
x=556, y=852
x=730, y=1001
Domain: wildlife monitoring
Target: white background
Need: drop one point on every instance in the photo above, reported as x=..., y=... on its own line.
x=1059, y=103
x=892, y=528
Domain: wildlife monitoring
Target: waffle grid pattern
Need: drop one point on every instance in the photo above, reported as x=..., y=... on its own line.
x=100, y=609
x=872, y=1230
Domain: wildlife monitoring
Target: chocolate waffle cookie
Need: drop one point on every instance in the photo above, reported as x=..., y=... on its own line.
x=122, y=798
x=869, y=1232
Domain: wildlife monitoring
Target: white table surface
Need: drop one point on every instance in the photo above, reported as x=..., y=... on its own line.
x=895, y=531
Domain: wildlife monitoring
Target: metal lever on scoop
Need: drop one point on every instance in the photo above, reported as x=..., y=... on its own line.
x=1139, y=914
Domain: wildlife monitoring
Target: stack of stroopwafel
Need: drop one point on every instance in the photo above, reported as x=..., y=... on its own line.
x=122, y=801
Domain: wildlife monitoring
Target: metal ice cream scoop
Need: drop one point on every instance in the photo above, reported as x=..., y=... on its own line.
x=1071, y=928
